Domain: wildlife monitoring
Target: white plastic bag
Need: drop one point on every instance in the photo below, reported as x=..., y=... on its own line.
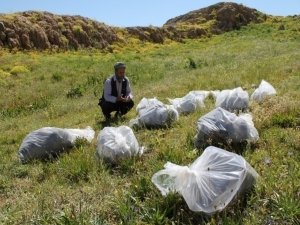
x=265, y=89
x=50, y=141
x=148, y=103
x=153, y=113
x=215, y=93
x=210, y=183
x=190, y=102
x=117, y=143
x=221, y=126
x=235, y=99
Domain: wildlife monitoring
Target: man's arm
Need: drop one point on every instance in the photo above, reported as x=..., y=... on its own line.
x=107, y=92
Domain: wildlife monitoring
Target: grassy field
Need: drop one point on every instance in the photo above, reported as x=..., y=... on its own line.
x=41, y=89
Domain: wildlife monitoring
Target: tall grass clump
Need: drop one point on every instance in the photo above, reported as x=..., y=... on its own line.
x=19, y=70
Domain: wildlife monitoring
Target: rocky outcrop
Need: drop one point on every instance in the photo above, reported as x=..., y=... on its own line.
x=151, y=34
x=38, y=37
x=216, y=19
x=43, y=30
x=2, y=27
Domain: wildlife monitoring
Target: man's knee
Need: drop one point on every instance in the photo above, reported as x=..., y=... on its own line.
x=126, y=106
x=107, y=107
x=130, y=104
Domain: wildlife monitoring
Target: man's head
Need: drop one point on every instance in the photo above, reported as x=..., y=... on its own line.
x=120, y=70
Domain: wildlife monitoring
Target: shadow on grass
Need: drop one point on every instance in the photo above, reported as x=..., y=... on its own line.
x=52, y=157
x=125, y=167
x=175, y=208
x=112, y=122
x=237, y=147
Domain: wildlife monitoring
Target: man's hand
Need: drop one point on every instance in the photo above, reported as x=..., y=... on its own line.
x=127, y=98
x=120, y=99
x=123, y=99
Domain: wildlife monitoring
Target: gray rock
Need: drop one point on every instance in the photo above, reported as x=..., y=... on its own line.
x=39, y=38
x=13, y=43
x=2, y=36
x=25, y=41
x=2, y=27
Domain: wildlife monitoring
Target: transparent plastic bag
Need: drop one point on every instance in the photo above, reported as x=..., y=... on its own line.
x=265, y=89
x=190, y=102
x=215, y=93
x=148, y=103
x=221, y=126
x=210, y=183
x=117, y=143
x=153, y=113
x=51, y=141
x=235, y=99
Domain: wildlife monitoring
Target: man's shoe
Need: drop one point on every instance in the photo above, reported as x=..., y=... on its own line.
x=107, y=117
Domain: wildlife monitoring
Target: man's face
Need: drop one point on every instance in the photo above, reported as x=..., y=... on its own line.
x=120, y=73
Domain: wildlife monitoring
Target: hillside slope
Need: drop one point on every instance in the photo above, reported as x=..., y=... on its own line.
x=44, y=30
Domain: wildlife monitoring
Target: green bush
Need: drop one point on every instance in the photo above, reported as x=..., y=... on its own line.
x=75, y=92
x=41, y=103
x=57, y=77
x=19, y=70
x=94, y=81
x=77, y=29
x=190, y=64
x=285, y=121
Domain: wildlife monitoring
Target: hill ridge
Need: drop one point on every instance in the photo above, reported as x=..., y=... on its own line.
x=44, y=30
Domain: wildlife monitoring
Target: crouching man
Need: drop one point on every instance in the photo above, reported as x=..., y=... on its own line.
x=117, y=95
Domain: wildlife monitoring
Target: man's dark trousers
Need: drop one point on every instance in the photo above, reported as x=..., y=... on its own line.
x=122, y=107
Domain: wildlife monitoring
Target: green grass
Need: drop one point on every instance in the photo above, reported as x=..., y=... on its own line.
x=62, y=89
